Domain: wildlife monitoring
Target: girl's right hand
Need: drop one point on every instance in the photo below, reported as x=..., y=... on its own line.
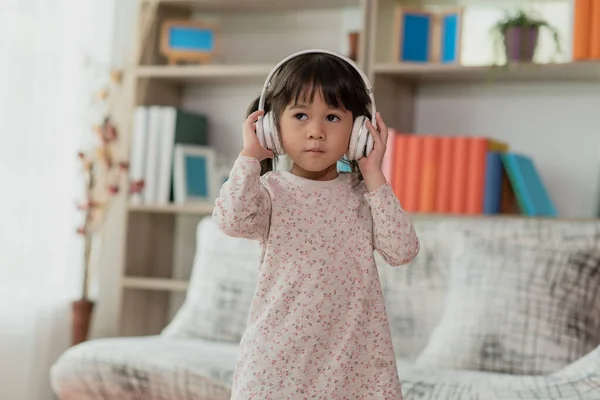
x=252, y=147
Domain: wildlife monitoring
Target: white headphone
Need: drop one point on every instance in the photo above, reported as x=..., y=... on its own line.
x=361, y=141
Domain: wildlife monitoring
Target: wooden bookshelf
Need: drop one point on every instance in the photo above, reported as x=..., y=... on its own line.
x=160, y=237
x=159, y=242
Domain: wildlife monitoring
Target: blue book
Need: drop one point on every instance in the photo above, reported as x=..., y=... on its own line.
x=531, y=193
x=492, y=194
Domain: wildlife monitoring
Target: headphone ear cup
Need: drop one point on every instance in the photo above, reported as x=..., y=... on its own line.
x=370, y=143
x=274, y=136
x=260, y=131
x=268, y=131
x=268, y=137
x=358, y=139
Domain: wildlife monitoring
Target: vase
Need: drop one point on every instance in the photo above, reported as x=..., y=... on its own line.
x=520, y=43
x=81, y=319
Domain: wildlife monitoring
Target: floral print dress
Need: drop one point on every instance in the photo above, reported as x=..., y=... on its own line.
x=317, y=327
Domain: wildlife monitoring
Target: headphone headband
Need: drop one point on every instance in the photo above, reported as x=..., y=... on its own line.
x=261, y=102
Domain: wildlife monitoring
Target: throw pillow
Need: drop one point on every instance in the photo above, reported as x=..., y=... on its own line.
x=221, y=287
x=517, y=307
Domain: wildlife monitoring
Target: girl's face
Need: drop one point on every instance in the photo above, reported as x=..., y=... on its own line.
x=315, y=136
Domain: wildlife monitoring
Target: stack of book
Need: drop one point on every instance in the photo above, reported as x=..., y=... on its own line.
x=463, y=175
x=157, y=133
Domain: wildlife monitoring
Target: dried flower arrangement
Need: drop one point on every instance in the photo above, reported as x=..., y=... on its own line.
x=105, y=173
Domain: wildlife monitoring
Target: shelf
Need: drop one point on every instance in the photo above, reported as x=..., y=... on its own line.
x=430, y=216
x=205, y=73
x=252, y=5
x=195, y=209
x=570, y=72
x=163, y=284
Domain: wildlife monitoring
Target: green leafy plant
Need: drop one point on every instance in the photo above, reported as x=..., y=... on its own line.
x=521, y=19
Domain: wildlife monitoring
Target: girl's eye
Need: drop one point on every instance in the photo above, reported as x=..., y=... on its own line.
x=332, y=118
x=300, y=116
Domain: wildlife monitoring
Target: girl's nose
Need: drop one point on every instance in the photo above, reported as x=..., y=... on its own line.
x=316, y=136
x=316, y=132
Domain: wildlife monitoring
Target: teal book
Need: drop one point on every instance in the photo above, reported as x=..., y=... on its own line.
x=531, y=193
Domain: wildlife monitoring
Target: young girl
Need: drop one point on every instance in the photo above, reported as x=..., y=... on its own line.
x=317, y=327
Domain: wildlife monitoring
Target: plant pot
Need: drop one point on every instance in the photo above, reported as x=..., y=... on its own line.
x=81, y=319
x=520, y=43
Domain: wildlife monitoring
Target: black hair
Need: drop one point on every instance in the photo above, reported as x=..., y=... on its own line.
x=300, y=78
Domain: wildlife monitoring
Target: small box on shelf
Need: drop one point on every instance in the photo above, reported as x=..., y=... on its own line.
x=188, y=41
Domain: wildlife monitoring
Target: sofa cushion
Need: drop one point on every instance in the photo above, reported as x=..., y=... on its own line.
x=518, y=306
x=411, y=315
x=151, y=368
x=221, y=287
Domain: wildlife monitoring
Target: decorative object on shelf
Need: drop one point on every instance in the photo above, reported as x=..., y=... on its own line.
x=195, y=174
x=519, y=33
x=188, y=41
x=427, y=36
x=353, y=41
x=105, y=176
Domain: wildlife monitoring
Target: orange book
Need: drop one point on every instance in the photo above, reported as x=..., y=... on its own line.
x=399, y=166
x=476, y=170
x=443, y=182
x=413, y=173
x=429, y=173
x=582, y=28
x=595, y=30
x=460, y=161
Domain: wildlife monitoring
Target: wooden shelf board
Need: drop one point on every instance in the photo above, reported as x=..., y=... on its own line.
x=572, y=72
x=252, y=5
x=416, y=216
x=195, y=209
x=204, y=209
x=163, y=284
x=205, y=73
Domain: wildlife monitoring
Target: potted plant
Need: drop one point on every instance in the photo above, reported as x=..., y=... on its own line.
x=104, y=178
x=519, y=33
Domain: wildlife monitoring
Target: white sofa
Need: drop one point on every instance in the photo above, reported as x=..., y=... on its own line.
x=491, y=308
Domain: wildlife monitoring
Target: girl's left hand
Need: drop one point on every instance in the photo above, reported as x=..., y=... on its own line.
x=371, y=165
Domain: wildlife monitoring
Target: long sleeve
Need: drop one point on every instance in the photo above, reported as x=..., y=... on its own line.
x=394, y=236
x=243, y=208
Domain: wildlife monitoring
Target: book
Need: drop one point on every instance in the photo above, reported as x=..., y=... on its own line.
x=531, y=193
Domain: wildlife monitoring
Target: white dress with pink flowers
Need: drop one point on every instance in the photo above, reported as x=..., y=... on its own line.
x=317, y=327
